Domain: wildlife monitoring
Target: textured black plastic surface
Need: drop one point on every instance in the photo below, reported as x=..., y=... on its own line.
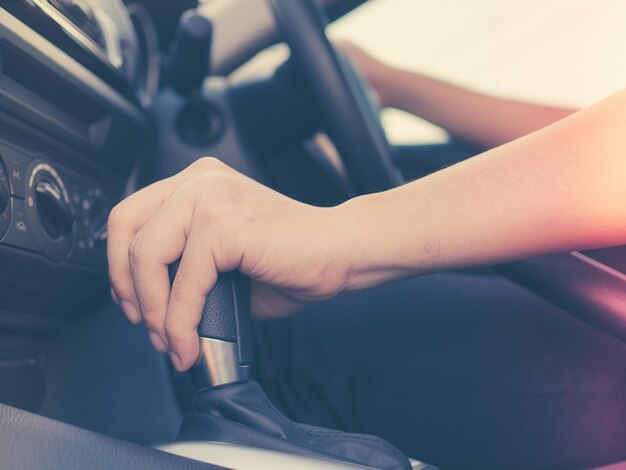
x=29, y=441
x=226, y=315
x=218, y=316
x=241, y=294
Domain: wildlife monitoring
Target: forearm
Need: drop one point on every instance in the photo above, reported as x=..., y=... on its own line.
x=484, y=120
x=559, y=189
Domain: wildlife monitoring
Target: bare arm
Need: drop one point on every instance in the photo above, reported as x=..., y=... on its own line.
x=474, y=117
x=558, y=189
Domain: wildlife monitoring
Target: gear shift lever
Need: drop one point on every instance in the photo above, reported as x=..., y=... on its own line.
x=231, y=408
x=225, y=335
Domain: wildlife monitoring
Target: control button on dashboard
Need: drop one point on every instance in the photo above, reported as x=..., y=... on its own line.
x=85, y=250
x=91, y=210
x=20, y=233
x=17, y=169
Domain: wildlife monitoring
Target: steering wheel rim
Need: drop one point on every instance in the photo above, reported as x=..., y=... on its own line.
x=353, y=124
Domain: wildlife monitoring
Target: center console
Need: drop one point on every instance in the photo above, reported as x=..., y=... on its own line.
x=70, y=138
x=50, y=210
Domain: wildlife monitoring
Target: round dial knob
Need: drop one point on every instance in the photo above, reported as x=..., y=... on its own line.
x=54, y=212
x=49, y=208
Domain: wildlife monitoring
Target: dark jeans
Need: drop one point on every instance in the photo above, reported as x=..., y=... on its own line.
x=463, y=372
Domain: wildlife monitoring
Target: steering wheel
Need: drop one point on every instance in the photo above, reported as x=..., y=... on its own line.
x=352, y=122
x=570, y=280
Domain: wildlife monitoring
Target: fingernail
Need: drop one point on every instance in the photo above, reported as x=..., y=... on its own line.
x=157, y=342
x=131, y=311
x=114, y=296
x=175, y=360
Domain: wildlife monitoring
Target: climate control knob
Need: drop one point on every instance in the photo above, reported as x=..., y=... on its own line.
x=54, y=212
x=50, y=210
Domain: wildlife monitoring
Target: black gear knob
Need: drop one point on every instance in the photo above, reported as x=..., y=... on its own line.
x=225, y=331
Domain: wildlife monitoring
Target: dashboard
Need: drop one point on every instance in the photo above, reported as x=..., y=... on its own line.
x=49, y=210
x=117, y=42
x=75, y=79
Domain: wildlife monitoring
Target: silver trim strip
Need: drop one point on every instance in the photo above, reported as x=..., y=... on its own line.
x=218, y=364
x=242, y=457
x=145, y=27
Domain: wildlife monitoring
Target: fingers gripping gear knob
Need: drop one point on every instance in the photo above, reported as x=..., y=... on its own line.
x=230, y=408
x=225, y=333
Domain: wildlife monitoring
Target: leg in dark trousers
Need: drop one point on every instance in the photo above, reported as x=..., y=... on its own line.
x=464, y=372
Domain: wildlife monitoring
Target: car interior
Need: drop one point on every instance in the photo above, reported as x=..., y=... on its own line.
x=99, y=98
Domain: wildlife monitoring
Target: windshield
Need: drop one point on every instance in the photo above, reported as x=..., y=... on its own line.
x=562, y=52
